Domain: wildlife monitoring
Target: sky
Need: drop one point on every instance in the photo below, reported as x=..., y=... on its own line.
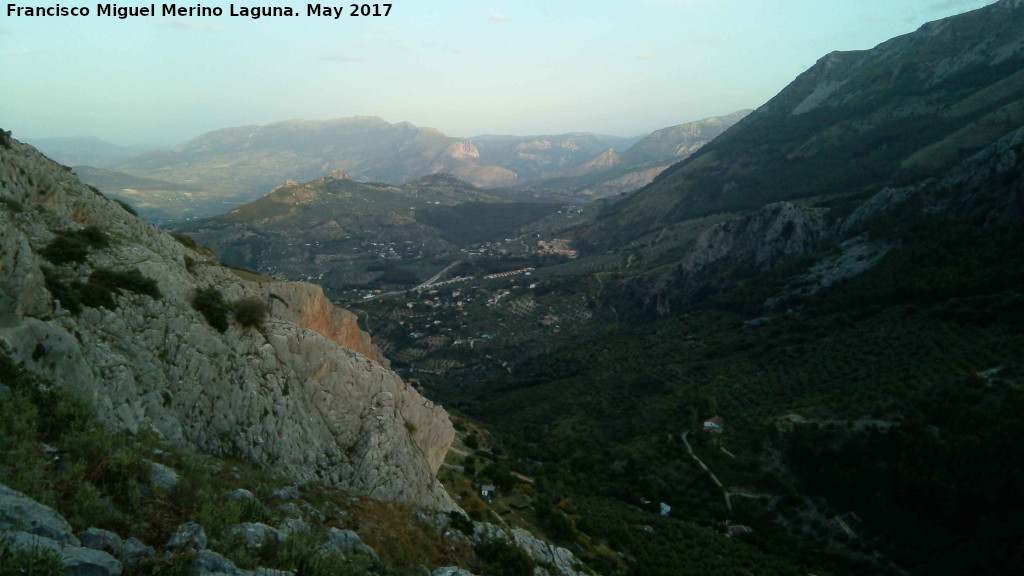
x=465, y=67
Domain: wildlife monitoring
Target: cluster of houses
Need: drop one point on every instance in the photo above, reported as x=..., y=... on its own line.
x=557, y=246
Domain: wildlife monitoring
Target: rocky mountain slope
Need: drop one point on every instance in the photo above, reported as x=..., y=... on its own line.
x=532, y=157
x=853, y=123
x=105, y=303
x=613, y=172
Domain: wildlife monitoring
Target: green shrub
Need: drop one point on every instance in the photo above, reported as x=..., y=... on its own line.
x=74, y=245
x=39, y=561
x=131, y=280
x=99, y=290
x=94, y=236
x=62, y=291
x=186, y=241
x=127, y=207
x=217, y=513
x=5, y=139
x=65, y=249
x=503, y=559
x=250, y=312
x=211, y=304
x=461, y=522
x=13, y=205
x=472, y=442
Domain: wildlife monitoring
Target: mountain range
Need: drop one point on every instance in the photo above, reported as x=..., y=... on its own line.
x=87, y=150
x=215, y=171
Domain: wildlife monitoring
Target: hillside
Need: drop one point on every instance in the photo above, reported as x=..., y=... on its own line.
x=614, y=172
x=349, y=235
x=853, y=123
x=532, y=157
x=161, y=412
x=117, y=311
x=156, y=200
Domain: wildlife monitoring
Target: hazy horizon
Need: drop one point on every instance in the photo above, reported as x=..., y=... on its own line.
x=465, y=68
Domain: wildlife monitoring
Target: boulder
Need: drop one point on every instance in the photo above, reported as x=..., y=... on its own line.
x=290, y=526
x=188, y=536
x=451, y=571
x=242, y=494
x=290, y=492
x=77, y=561
x=19, y=512
x=348, y=542
x=254, y=535
x=290, y=510
x=89, y=562
x=104, y=540
x=207, y=563
x=133, y=550
x=162, y=476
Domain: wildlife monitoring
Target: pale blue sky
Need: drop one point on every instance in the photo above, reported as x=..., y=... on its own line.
x=465, y=67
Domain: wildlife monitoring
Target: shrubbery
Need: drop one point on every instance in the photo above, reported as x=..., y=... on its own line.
x=250, y=312
x=99, y=289
x=127, y=207
x=211, y=304
x=186, y=241
x=503, y=559
x=73, y=246
x=12, y=205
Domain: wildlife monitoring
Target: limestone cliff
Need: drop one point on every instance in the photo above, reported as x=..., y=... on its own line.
x=306, y=305
x=774, y=232
x=305, y=394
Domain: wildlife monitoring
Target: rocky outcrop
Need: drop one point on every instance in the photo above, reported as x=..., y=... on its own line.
x=777, y=231
x=561, y=560
x=27, y=525
x=284, y=395
x=19, y=512
x=306, y=305
x=986, y=186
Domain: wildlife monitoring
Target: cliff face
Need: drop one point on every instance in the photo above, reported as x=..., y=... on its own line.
x=305, y=394
x=774, y=232
x=306, y=305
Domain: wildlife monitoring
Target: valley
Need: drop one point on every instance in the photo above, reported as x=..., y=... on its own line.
x=745, y=283
x=783, y=341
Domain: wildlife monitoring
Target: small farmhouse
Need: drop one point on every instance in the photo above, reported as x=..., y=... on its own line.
x=716, y=424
